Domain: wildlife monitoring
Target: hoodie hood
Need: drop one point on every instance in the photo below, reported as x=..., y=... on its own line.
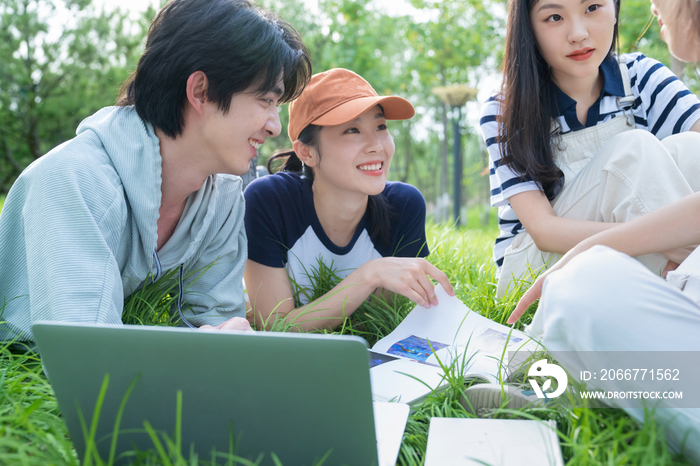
x=134, y=150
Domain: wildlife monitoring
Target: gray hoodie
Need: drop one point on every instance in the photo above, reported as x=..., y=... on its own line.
x=78, y=231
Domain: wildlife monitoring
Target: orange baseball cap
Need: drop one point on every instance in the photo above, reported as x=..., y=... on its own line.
x=337, y=96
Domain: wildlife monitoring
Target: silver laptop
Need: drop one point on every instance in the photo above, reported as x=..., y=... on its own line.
x=299, y=397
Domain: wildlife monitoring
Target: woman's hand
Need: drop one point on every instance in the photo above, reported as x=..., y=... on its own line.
x=407, y=277
x=271, y=297
x=535, y=291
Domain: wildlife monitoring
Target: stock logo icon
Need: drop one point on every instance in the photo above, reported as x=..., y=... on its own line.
x=542, y=368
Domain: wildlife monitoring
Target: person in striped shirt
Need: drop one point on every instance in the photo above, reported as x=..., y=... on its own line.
x=620, y=310
x=574, y=136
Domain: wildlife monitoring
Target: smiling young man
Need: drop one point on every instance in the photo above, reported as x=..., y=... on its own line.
x=146, y=186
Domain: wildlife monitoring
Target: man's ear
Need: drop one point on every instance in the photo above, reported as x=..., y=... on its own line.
x=197, y=86
x=306, y=154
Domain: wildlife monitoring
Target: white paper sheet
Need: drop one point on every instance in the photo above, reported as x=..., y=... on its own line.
x=389, y=424
x=390, y=382
x=497, y=442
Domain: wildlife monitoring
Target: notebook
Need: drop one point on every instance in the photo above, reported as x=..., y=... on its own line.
x=502, y=442
x=299, y=397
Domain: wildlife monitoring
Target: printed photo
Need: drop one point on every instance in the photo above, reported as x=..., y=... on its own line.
x=491, y=342
x=417, y=348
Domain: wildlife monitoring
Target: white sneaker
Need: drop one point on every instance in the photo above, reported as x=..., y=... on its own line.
x=482, y=399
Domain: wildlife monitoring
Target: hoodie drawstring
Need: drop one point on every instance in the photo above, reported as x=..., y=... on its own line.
x=180, y=292
x=180, y=287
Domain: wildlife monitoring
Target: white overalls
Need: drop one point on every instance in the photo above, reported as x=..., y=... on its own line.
x=605, y=304
x=612, y=173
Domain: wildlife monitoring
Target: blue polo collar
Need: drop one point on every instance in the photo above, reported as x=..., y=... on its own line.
x=612, y=85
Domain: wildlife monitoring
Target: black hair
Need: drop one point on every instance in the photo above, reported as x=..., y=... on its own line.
x=234, y=42
x=528, y=96
x=377, y=205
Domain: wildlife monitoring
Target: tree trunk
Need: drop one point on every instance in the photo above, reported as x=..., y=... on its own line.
x=33, y=133
x=8, y=155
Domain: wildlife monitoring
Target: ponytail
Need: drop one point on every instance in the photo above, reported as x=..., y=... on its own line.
x=292, y=163
x=377, y=206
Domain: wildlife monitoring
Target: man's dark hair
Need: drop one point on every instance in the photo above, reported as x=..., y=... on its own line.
x=234, y=42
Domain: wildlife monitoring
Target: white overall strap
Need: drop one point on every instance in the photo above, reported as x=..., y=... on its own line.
x=627, y=101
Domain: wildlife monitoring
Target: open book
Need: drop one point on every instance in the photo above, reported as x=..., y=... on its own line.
x=406, y=365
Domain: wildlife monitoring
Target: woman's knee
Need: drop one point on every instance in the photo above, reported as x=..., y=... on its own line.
x=640, y=163
x=683, y=148
x=582, y=276
x=635, y=137
x=591, y=285
x=635, y=147
x=682, y=142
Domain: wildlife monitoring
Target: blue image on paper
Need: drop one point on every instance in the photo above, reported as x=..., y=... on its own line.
x=414, y=347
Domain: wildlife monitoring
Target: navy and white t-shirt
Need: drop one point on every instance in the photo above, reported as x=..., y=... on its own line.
x=664, y=106
x=284, y=231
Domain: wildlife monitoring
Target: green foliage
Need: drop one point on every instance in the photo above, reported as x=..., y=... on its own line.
x=49, y=82
x=54, y=75
x=441, y=42
x=639, y=32
x=31, y=428
x=153, y=304
x=374, y=319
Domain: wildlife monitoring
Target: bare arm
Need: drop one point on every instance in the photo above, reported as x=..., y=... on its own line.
x=696, y=127
x=271, y=297
x=671, y=227
x=551, y=233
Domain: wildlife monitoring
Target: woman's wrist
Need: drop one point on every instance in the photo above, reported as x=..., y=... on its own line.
x=367, y=275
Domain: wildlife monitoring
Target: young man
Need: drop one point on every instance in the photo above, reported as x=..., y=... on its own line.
x=145, y=186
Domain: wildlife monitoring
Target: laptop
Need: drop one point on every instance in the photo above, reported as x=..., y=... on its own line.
x=298, y=397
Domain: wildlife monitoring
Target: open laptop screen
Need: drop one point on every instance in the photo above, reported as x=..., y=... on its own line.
x=297, y=396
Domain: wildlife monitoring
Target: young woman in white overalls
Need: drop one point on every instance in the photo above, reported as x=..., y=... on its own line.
x=618, y=310
x=575, y=136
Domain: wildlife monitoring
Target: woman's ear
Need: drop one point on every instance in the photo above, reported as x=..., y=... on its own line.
x=307, y=154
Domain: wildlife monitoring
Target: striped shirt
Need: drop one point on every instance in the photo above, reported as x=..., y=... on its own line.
x=663, y=106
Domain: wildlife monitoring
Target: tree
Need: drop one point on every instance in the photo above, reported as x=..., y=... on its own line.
x=456, y=46
x=405, y=55
x=54, y=75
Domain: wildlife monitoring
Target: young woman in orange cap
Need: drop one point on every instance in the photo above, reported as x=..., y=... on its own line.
x=331, y=202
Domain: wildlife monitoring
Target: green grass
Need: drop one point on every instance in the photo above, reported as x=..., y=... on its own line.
x=32, y=431
x=2, y=201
